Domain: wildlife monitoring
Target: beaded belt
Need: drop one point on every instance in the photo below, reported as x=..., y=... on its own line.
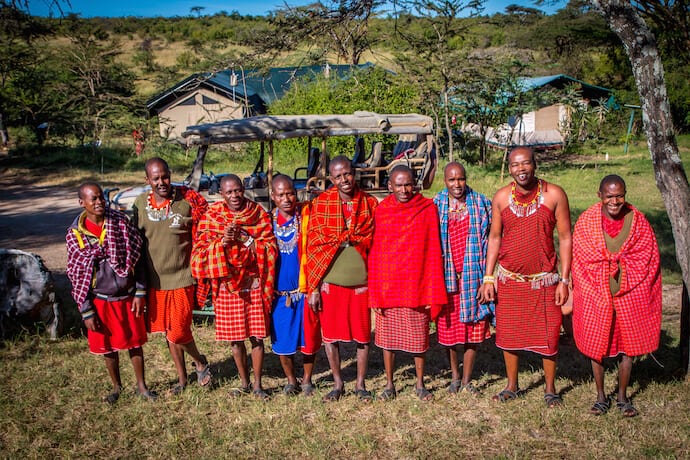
x=291, y=296
x=538, y=280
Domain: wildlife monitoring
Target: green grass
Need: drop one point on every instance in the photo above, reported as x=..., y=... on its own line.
x=51, y=408
x=50, y=398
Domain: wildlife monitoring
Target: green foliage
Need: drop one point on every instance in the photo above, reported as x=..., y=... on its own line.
x=144, y=55
x=678, y=86
x=185, y=60
x=373, y=89
x=99, y=89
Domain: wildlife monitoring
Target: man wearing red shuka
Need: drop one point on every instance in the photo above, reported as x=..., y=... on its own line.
x=616, y=288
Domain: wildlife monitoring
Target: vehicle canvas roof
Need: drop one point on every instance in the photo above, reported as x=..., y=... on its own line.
x=279, y=127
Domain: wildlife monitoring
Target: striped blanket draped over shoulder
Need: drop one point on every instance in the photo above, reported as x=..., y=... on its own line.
x=121, y=246
x=474, y=262
x=637, y=303
x=327, y=231
x=231, y=264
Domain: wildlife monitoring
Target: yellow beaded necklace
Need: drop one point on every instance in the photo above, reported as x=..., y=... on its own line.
x=521, y=209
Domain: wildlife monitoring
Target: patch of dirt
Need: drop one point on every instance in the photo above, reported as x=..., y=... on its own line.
x=34, y=218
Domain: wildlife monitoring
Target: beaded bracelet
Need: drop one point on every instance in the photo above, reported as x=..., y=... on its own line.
x=489, y=279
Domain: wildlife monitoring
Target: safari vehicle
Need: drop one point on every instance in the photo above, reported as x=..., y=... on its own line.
x=413, y=145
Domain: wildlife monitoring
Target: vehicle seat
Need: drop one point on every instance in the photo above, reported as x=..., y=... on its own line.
x=376, y=155
x=312, y=165
x=404, y=143
x=310, y=170
x=358, y=158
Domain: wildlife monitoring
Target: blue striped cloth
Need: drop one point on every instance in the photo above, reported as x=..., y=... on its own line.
x=479, y=208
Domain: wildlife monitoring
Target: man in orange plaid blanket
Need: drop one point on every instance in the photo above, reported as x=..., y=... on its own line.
x=616, y=288
x=339, y=236
x=236, y=252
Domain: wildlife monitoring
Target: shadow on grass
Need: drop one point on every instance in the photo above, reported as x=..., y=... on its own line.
x=489, y=368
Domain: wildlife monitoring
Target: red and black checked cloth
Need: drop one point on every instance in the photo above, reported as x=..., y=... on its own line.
x=235, y=263
x=199, y=206
x=405, y=261
x=403, y=329
x=239, y=315
x=526, y=318
x=637, y=303
x=451, y=331
x=121, y=247
x=327, y=231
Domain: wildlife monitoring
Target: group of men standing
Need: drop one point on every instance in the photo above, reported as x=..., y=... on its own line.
x=312, y=273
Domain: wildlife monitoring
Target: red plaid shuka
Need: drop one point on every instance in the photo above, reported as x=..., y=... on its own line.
x=234, y=263
x=637, y=303
x=327, y=231
x=403, y=329
x=527, y=317
x=120, y=243
x=199, y=206
x=405, y=261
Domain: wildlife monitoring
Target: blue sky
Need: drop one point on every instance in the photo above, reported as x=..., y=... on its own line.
x=115, y=8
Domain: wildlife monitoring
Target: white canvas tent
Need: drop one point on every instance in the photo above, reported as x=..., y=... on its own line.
x=544, y=127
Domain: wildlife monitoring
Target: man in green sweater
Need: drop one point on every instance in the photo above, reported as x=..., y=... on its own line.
x=167, y=217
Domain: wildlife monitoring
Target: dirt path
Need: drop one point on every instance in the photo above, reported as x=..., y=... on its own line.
x=34, y=218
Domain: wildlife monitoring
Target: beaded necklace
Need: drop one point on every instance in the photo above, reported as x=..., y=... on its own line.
x=291, y=231
x=158, y=212
x=457, y=210
x=521, y=209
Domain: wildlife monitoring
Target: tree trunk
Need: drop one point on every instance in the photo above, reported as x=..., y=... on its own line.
x=643, y=52
x=198, y=168
x=685, y=331
x=449, y=130
x=4, y=136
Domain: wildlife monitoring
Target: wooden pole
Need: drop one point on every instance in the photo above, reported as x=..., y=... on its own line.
x=269, y=174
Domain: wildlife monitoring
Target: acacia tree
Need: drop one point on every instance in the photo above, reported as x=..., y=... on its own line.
x=18, y=56
x=432, y=30
x=493, y=96
x=332, y=26
x=641, y=46
x=100, y=89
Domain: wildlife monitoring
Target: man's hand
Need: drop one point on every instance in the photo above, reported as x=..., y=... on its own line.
x=315, y=301
x=139, y=306
x=486, y=293
x=230, y=234
x=562, y=293
x=92, y=323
